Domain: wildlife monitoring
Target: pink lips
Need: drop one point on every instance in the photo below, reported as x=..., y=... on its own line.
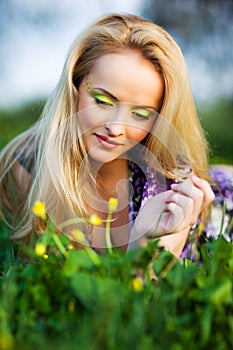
x=106, y=142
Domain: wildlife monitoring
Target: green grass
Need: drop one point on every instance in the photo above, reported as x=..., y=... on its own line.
x=82, y=301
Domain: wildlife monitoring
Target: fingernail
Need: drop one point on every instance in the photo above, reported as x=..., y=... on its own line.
x=195, y=178
x=174, y=186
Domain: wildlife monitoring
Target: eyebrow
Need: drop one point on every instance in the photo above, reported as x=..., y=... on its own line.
x=116, y=99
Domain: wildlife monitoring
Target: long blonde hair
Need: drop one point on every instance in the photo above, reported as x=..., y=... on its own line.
x=58, y=183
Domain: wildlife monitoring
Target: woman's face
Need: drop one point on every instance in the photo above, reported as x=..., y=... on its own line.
x=118, y=104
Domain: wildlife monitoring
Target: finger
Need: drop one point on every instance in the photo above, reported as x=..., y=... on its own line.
x=202, y=195
x=192, y=206
x=197, y=196
x=178, y=214
x=173, y=221
x=185, y=187
x=175, y=218
x=186, y=202
x=204, y=186
x=169, y=220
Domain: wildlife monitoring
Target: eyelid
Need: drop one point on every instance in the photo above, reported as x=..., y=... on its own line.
x=144, y=112
x=102, y=97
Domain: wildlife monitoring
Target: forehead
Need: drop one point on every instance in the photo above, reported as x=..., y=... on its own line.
x=129, y=77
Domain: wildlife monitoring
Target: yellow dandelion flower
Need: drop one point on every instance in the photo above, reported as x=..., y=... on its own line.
x=80, y=237
x=40, y=249
x=137, y=284
x=6, y=342
x=45, y=256
x=201, y=227
x=71, y=306
x=39, y=210
x=94, y=220
x=112, y=204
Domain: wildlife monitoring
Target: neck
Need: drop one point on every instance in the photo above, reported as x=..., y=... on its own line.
x=109, y=174
x=115, y=169
x=111, y=170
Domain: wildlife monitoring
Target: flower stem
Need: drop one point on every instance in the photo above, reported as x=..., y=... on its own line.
x=93, y=256
x=108, y=233
x=59, y=244
x=70, y=222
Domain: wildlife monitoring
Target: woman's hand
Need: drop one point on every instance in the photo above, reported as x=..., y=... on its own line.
x=171, y=214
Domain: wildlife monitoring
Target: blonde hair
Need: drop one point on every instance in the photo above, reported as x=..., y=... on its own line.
x=58, y=183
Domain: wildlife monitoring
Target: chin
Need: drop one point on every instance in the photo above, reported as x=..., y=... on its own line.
x=99, y=159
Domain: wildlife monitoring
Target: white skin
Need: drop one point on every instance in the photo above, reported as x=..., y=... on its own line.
x=133, y=86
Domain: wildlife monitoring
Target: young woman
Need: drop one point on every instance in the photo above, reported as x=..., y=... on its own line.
x=120, y=123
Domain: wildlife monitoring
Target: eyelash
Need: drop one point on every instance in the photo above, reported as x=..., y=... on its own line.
x=140, y=116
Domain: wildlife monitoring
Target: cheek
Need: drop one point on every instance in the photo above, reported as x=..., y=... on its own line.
x=137, y=134
x=88, y=114
x=89, y=119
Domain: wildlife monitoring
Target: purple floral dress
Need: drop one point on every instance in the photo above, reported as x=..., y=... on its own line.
x=146, y=184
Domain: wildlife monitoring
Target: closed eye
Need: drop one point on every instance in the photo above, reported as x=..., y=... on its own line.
x=142, y=113
x=101, y=99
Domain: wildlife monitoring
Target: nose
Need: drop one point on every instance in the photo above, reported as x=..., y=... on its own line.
x=115, y=128
x=115, y=124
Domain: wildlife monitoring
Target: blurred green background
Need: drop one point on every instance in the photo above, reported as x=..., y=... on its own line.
x=202, y=28
x=16, y=120
x=217, y=120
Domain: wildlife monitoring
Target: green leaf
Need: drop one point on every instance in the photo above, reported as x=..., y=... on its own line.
x=85, y=288
x=162, y=262
x=222, y=292
x=77, y=260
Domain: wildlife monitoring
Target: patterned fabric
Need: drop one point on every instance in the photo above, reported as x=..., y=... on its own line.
x=146, y=185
